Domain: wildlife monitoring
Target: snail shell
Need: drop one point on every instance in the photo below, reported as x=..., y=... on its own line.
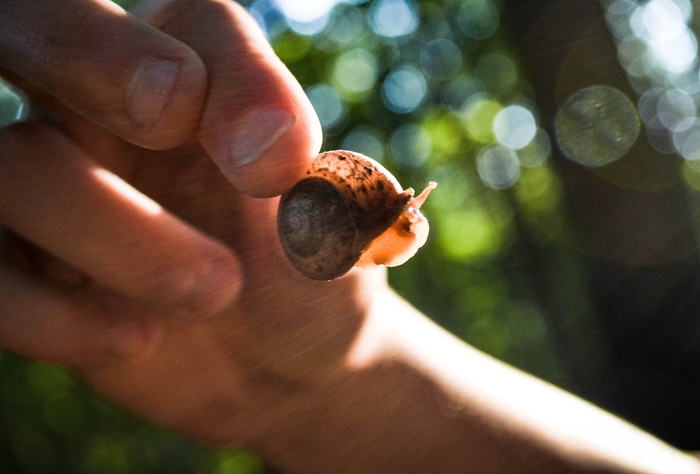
x=349, y=209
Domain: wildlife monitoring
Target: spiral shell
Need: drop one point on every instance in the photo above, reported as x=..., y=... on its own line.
x=327, y=220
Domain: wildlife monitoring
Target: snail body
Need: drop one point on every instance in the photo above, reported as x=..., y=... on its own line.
x=349, y=211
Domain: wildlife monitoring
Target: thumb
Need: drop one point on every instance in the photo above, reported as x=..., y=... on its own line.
x=258, y=125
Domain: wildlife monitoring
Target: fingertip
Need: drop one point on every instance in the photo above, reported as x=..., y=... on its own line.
x=261, y=130
x=257, y=124
x=164, y=99
x=255, y=133
x=268, y=150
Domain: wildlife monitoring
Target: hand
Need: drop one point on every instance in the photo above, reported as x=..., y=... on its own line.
x=115, y=285
x=175, y=300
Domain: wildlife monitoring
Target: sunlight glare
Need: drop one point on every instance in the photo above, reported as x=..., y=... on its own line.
x=123, y=189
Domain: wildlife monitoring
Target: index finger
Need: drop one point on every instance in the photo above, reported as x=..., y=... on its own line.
x=106, y=65
x=258, y=125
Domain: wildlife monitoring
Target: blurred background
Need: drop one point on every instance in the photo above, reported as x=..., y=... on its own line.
x=565, y=138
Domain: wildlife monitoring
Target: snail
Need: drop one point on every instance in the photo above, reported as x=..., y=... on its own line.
x=349, y=210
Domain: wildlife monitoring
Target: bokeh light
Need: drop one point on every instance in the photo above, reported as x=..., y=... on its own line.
x=539, y=189
x=514, y=126
x=269, y=17
x=658, y=49
x=366, y=140
x=13, y=104
x=454, y=189
x=537, y=151
x=498, y=167
x=347, y=25
x=596, y=125
x=497, y=72
x=459, y=90
x=469, y=234
x=662, y=24
x=393, y=18
x=305, y=11
x=327, y=103
x=441, y=59
x=404, y=89
x=478, y=19
x=291, y=47
x=676, y=110
x=478, y=114
x=445, y=130
x=686, y=142
x=410, y=146
x=308, y=17
x=691, y=174
x=354, y=74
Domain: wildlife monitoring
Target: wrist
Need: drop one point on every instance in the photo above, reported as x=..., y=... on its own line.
x=374, y=411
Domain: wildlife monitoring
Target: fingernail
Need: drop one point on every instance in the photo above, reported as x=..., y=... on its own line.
x=149, y=90
x=257, y=132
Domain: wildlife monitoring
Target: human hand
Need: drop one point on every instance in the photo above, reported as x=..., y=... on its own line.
x=111, y=283
x=314, y=376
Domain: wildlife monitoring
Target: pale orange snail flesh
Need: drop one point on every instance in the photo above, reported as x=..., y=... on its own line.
x=402, y=240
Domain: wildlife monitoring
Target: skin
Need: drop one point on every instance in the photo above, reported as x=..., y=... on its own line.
x=186, y=312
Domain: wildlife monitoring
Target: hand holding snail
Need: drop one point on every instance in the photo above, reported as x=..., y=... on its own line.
x=349, y=211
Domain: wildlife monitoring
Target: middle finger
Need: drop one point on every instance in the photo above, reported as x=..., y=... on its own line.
x=54, y=195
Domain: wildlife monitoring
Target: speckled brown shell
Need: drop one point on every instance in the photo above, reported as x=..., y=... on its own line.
x=327, y=219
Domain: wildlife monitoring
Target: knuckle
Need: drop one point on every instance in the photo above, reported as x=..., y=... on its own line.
x=203, y=286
